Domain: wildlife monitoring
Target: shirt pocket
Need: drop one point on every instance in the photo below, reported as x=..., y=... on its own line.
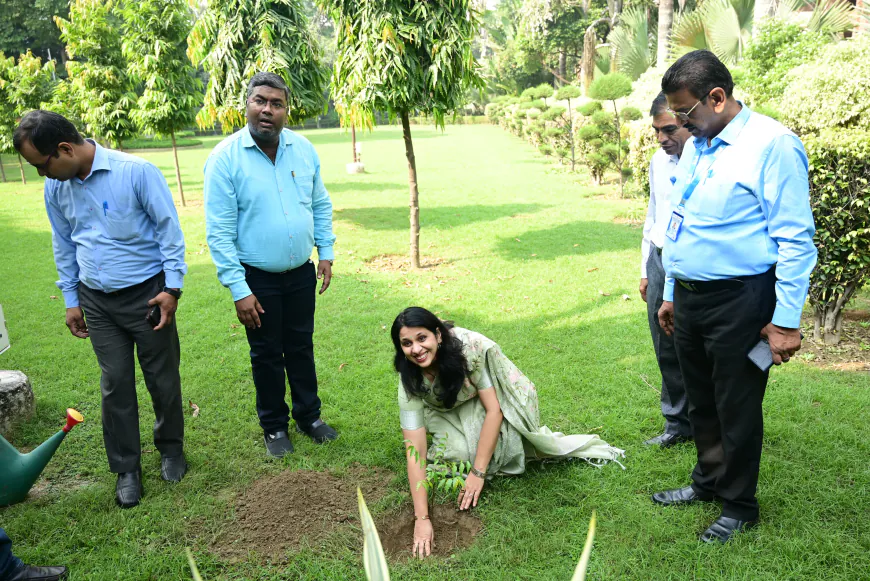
x=304, y=187
x=712, y=197
x=120, y=226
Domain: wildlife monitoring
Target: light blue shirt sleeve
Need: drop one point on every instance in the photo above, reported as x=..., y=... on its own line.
x=786, y=205
x=321, y=206
x=221, y=232
x=64, y=250
x=668, y=294
x=156, y=200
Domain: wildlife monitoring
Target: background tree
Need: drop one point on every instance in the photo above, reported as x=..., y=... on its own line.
x=666, y=22
x=29, y=25
x=234, y=39
x=403, y=56
x=632, y=44
x=613, y=149
x=98, y=72
x=30, y=83
x=7, y=110
x=155, y=41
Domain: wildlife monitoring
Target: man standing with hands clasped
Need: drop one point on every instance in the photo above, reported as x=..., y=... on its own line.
x=266, y=208
x=738, y=256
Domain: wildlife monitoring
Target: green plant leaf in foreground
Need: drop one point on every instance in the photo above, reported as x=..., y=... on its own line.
x=373, y=553
x=580, y=571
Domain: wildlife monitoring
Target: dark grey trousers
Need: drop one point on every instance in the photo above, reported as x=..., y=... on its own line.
x=675, y=404
x=116, y=324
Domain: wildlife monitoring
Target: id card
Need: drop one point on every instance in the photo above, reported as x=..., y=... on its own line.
x=674, y=226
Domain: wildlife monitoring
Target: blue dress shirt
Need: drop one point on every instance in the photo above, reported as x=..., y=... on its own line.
x=267, y=215
x=751, y=210
x=114, y=229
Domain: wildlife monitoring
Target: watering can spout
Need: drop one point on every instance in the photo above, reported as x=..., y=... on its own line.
x=18, y=472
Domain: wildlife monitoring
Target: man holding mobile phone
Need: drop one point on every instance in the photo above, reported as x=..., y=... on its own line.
x=738, y=257
x=119, y=252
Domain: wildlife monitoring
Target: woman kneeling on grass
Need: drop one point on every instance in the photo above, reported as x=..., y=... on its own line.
x=457, y=385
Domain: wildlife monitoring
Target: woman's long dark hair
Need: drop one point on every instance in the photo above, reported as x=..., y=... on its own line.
x=452, y=367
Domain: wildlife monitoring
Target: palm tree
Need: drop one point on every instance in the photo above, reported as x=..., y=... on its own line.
x=666, y=21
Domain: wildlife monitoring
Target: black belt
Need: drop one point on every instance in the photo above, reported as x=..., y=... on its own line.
x=708, y=286
x=124, y=290
x=658, y=251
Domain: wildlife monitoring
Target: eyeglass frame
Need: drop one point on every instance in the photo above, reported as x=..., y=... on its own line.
x=43, y=167
x=684, y=117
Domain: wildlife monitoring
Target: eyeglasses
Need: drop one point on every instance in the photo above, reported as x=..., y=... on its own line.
x=43, y=167
x=261, y=103
x=684, y=117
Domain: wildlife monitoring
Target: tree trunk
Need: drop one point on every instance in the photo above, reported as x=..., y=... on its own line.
x=415, y=194
x=619, y=151
x=562, y=64
x=21, y=168
x=666, y=21
x=763, y=9
x=353, y=140
x=177, y=170
x=571, y=132
x=829, y=317
x=2, y=170
x=590, y=41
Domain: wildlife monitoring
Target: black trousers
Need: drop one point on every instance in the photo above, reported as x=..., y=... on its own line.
x=284, y=344
x=8, y=561
x=116, y=324
x=713, y=333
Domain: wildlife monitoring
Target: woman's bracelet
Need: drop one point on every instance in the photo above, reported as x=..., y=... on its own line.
x=478, y=473
x=424, y=517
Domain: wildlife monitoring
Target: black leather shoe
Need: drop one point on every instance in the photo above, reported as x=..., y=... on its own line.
x=724, y=527
x=319, y=431
x=129, y=489
x=28, y=573
x=173, y=468
x=277, y=444
x=667, y=440
x=677, y=496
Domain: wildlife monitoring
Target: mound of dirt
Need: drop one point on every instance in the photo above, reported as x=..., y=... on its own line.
x=278, y=512
x=454, y=530
x=400, y=263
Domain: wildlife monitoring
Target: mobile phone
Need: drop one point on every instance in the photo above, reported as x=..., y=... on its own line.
x=153, y=317
x=761, y=356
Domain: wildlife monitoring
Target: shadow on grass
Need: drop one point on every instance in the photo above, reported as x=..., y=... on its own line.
x=569, y=239
x=396, y=218
x=361, y=186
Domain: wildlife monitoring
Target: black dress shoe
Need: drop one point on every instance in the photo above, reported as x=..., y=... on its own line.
x=667, y=440
x=319, y=431
x=678, y=496
x=128, y=490
x=28, y=573
x=173, y=468
x=277, y=444
x=724, y=527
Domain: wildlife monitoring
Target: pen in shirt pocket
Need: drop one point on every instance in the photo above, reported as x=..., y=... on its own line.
x=105, y=209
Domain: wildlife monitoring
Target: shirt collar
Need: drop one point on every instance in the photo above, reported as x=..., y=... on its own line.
x=731, y=131
x=248, y=140
x=101, y=158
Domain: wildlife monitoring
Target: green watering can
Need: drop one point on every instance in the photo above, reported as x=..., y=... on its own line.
x=18, y=472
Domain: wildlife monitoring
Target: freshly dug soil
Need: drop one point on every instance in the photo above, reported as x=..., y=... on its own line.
x=278, y=513
x=454, y=530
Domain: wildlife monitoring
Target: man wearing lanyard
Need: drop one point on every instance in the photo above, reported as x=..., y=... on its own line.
x=265, y=209
x=738, y=256
x=672, y=138
x=119, y=252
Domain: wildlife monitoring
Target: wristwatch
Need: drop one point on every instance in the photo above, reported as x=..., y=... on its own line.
x=176, y=292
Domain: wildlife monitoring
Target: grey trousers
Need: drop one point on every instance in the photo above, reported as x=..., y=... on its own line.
x=116, y=324
x=675, y=404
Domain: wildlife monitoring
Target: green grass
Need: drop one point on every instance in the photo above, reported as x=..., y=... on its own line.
x=155, y=143
x=527, y=253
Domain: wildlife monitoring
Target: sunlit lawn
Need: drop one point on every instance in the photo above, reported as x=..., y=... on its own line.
x=525, y=254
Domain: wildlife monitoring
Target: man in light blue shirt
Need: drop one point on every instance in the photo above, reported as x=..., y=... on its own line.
x=265, y=210
x=119, y=252
x=738, y=255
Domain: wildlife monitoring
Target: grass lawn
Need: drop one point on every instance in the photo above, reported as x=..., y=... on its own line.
x=530, y=257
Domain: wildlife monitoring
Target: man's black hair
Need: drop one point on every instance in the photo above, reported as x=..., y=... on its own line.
x=45, y=130
x=268, y=80
x=699, y=72
x=659, y=105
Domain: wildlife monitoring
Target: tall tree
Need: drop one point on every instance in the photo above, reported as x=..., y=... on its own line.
x=30, y=83
x=666, y=22
x=401, y=56
x=98, y=71
x=7, y=110
x=234, y=39
x=29, y=25
x=155, y=42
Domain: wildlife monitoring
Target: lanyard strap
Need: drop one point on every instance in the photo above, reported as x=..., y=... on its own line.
x=696, y=179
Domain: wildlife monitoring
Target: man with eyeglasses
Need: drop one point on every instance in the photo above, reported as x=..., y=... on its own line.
x=738, y=256
x=119, y=252
x=265, y=209
x=672, y=138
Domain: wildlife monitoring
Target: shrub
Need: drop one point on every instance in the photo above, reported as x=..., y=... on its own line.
x=831, y=91
x=778, y=47
x=589, y=108
x=630, y=114
x=536, y=104
x=645, y=89
x=545, y=149
x=839, y=195
x=642, y=144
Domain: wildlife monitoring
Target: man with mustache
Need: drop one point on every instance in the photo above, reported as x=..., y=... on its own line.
x=266, y=208
x=738, y=255
x=672, y=138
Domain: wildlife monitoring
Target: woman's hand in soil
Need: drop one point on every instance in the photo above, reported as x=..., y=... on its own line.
x=424, y=538
x=468, y=496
